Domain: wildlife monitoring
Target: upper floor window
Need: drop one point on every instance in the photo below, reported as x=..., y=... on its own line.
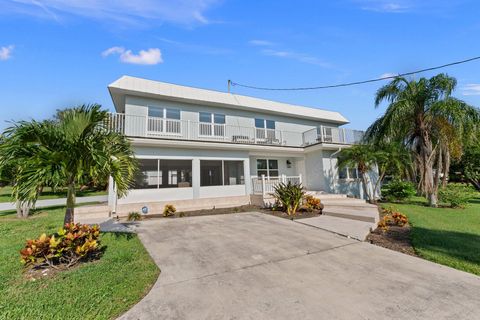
x=166, y=113
x=211, y=124
x=209, y=117
x=163, y=120
x=264, y=124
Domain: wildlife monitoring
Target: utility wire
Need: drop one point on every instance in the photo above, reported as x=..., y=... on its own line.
x=356, y=82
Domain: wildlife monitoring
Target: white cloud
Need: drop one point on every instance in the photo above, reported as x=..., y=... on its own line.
x=113, y=50
x=128, y=12
x=388, y=75
x=301, y=57
x=6, y=52
x=261, y=43
x=471, y=89
x=150, y=56
x=388, y=6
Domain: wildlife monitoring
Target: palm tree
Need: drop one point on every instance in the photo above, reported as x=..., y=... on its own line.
x=73, y=149
x=392, y=159
x=423, y=116
x=363, y=157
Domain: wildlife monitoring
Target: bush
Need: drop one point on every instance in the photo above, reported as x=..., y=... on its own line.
x=169, y=210
x=134, y=216
x=398, y=190
x=289, y=196
x=456, y=195
x=312, y=203
x=392, y=218
x=71, y=244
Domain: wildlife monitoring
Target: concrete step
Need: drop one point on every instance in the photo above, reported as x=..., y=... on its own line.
x=366, y=214
x=323, y=195
x=350, y=228
x=346, y=202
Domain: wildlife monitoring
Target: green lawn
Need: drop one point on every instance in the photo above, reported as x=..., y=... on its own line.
x=5, y=194
x=446, y=236
x=98, y=290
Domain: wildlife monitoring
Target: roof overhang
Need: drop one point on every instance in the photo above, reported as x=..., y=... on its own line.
x=131, y=86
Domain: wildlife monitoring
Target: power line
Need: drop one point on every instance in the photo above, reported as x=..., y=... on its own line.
x=353, y=83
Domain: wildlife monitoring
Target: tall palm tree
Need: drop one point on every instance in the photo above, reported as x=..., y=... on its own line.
x=422, y=115
x=74, y=148
x=362, y=157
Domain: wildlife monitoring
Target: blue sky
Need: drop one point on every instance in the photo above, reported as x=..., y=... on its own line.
x=55, y=54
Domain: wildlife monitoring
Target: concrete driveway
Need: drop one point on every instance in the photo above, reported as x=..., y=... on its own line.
x=255, y=266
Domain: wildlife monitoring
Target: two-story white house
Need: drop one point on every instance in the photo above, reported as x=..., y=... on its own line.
x=200, y=148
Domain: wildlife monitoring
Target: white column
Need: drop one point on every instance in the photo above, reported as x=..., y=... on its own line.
x=247, y=177
x=196, y=178
x=263, y=185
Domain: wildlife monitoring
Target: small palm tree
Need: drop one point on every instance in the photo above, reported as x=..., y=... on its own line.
x=422, y=115
x=73, y=149
x=392, y=159
x=363, y=157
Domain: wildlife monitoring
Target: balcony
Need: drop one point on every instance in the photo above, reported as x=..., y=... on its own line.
x=153, y=127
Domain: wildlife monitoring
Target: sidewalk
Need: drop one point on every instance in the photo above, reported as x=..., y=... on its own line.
x=55, y=202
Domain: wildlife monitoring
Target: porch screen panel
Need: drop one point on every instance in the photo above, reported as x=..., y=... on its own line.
x=147, y=175
x=175, y=173
x=211, y=173
x=233, y=171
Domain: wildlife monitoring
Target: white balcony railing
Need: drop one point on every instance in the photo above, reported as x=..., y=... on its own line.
x=325, y=134
x=154, y=127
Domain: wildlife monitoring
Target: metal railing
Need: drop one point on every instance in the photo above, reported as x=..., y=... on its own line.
x=155, y=127
x=325, y=134
x=266, y=185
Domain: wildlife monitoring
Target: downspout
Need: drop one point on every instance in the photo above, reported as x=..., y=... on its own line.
x=331, y=168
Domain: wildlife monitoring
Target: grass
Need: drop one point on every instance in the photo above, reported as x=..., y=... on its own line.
x=5, y=194
x=443, y=235
x=97, y=290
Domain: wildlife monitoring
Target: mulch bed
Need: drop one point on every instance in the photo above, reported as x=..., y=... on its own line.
x=395, y=238
x=204, y=212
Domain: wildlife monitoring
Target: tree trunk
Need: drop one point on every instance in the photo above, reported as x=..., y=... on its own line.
x=69, y=213
x=475, y=183
x=365, y=187
x=22, y=210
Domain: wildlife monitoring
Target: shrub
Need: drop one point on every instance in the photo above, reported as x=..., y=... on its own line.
x=70, y=245
x=456, y=195
x=169, y=210
x=398, y=190
x=134, y=216
x=289, y=195
x=392, y=218
x=312, y=203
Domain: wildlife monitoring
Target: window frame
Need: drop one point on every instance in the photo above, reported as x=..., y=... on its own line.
x=268, y=169
x=347, y=174
x=217, y=129
x=164, y=119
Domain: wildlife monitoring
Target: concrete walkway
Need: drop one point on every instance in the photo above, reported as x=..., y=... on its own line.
x=256, y=266
x=350, y=217
x=55, y=202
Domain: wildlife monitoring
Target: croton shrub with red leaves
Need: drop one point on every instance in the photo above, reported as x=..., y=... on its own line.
x=70, y=245
x=392, y=218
